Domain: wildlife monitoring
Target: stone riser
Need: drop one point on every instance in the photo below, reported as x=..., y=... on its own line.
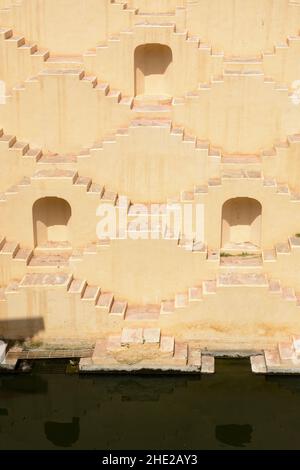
x=187, y=161
x=240, y=313
x=196, y=265
x=68, y=184
x=273, y=112
x=199, y=18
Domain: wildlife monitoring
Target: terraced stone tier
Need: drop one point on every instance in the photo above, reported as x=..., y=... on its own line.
x=284, y=359
x=141, y=349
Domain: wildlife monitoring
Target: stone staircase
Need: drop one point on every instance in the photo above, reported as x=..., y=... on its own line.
x=25, y=47
x=224, y=166
x=20, y=149
x=216, y=64
x=12, y=250
x=106, y=301
x=88, y=308
x=284, y=359
x=67, y=177
x=137, y=349
x=246, y=267
x=114, y=96
x=281, y=249
x=213, y=184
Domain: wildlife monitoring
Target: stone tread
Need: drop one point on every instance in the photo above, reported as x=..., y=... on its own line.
x=146, y=349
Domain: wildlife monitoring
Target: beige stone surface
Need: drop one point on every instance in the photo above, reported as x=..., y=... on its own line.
x=165, y=101
x=258, y=364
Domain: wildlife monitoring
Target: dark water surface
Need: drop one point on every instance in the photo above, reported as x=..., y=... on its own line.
x=233, y=409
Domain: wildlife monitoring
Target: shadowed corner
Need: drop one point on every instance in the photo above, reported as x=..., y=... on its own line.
x=63, y=434
x=21, y=329
x=234, y=435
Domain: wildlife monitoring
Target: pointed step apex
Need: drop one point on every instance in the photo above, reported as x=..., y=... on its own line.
x=143, y=312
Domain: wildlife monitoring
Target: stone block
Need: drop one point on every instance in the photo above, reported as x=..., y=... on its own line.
x=167, y=346
x=113, y=344
x=208, y=365
x=258, y=364
x=151, y=338
x=132, y=336
x=3, y=347
x=194, y=358
x=286, y=351
x=180, y=354
x=273, y=360
x=296, y=344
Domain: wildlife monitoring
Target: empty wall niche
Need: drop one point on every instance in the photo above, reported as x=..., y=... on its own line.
x=153, y=64
x=51, y=221
x=241, y=224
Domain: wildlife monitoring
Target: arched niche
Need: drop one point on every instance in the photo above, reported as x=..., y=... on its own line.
x=241, y=224
x=51, y=220
x=152, y=65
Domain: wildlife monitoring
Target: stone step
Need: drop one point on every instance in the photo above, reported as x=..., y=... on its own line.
x=258, y=364
x=207, y=364
x=147, y=348
x=209, y=287
x=55, y=174
x=240, y=173
x=180, y=357
x=167, y=346
x=246, y=260
x=194, y=357
x=284, y=359
x=9, y=249
x=152, y=100
x=54, y=247
x=60, y=174
x=143, y=312
x=234, y=279
x=195, y=294
x=24, y=255
x=255, y=176
x=287, y=293
x=50, y=259
x=91, y=294
x=105, y=301
x=77, y=286
x=46, y=280
x=118, y=309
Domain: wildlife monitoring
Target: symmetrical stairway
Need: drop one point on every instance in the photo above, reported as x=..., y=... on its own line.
x=284, y=359
x=151, y=102
x=146, y=349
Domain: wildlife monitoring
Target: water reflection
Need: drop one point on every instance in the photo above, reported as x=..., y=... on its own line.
x=63, y=434
x=235, y=435
x=125, y=412
x=32, y=384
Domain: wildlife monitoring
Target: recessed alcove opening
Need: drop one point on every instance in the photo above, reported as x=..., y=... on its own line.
x=241, y=224
x=51, y=221
x=152, y=65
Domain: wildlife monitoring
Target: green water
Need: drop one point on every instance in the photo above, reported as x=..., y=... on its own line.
x=233, y=409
